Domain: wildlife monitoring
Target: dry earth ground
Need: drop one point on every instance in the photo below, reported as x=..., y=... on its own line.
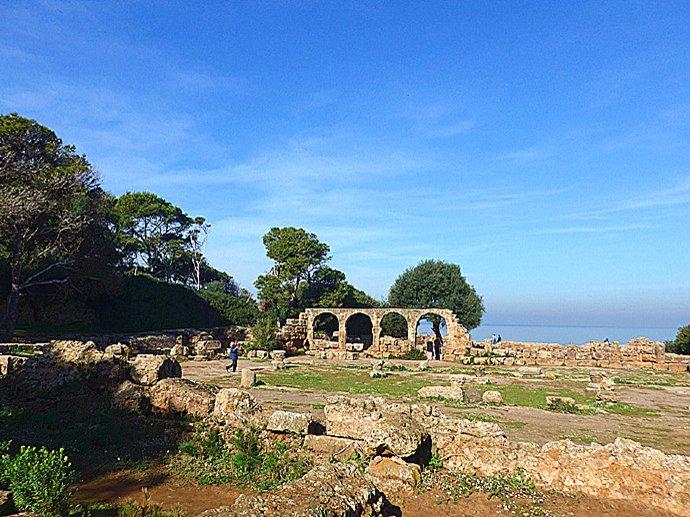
x=654, y=410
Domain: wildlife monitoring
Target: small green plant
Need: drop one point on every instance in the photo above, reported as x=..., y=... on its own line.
x=39, y=479
x=435, y=463
x=559, y=405
x=146, y=508
x=264, y=333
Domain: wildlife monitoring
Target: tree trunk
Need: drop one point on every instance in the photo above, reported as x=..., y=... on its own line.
x=436, y=326
x=10, y=318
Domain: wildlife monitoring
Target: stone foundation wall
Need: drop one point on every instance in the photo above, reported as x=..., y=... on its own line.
x=638, y=353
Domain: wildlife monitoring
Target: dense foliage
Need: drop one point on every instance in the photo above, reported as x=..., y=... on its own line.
x=66, y=243
x=39, y=480
x=52, y=212
x=300, y=277
x=438, y=285
x=681, y=345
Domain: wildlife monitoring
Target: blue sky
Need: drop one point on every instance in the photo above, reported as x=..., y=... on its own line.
x=542, y=146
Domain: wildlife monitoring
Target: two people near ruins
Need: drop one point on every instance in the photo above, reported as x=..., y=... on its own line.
x=495, y=339
x=433, y=349
x=233, y=355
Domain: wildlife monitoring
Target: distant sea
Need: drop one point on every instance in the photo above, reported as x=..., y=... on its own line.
x=564, y=335
x=572, y=334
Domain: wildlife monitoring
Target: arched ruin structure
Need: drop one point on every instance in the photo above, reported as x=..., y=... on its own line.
x=455, y=331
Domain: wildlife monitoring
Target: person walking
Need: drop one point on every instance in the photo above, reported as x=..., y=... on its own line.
x=429, y=349
x=233, y=355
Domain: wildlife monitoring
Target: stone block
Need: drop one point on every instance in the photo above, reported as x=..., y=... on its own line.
x=234, y=405
x=290, y=422
x=492, y=397
x=181, y=397
x=394, y=469
x=248, y=378
x=473, y=396
x=332, y=445
x=448, y=393
x=148, y=369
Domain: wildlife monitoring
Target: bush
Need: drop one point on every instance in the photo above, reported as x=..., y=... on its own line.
x=264, y=333
x=38, y=480
x=414, y=354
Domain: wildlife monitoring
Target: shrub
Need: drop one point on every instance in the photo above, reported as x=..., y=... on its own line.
x=38, y=479
x=413, y=354
x=264, y=333
x=681, y=345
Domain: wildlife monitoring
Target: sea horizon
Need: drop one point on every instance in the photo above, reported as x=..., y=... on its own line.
x=572, y=334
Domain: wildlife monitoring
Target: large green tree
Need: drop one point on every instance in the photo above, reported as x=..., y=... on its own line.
x=51, y=211
x=298, y=256
x=158, y=238
x=434, y=284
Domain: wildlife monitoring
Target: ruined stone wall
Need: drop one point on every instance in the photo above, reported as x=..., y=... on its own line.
x=638, y=353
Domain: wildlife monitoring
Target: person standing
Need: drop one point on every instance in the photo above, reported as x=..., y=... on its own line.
x=233, y=355
x=429, y=349
x=437, y=348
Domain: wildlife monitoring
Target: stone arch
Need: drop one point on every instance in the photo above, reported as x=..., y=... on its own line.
x=392, y=313
x=364, y=315
x=412, y=316
x=322, y=318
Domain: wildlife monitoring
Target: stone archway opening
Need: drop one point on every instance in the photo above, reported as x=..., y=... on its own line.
x=359, y=332
x=325, y=326
x=394, y=325
x=425, y=325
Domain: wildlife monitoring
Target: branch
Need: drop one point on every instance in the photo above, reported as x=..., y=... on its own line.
x=55, y=264
x=45, y=282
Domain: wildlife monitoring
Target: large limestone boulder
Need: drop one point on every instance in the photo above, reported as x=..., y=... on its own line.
x=148, y=369
x=181, y=397
x=396, y=434
x=492, y=397
x=291, y=422
x=75, y=352
x=395, y=469
x=349, y=417
x=332, y=445
x=131, y=397
x=386, y=429
x=444, y=392
x=233, y=405
x=117, y=349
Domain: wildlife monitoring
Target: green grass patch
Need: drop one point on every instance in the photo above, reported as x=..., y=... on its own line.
x=346, y=380
x=580, y=438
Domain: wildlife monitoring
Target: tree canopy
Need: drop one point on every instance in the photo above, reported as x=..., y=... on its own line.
x=300, y=277
x=435, y=284
x=158, y=238
x=681, y=345
x=52, y=210
x=297, y=255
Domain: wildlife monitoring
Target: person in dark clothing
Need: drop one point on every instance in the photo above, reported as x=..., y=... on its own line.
x=437, y=349
x=233, y=355
x=429, y=350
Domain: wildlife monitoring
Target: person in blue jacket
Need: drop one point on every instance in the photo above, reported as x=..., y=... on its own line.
x=233, y=357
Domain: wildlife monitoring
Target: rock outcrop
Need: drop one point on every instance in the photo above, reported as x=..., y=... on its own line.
x=182, y=397
x=336, y=490
x=148, y=369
